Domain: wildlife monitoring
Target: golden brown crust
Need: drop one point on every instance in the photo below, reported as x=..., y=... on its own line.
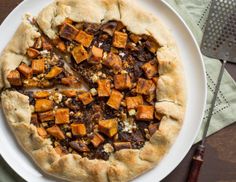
x=170, y=93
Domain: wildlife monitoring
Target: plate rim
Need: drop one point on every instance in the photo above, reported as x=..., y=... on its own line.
x=11, y=164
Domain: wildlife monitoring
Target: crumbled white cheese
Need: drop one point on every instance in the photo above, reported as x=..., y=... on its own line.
x=100, y=44
x=124, y=72
x=108, y=148
x=132, y=112
x=57, y=97
x=95, y=78
x=122, y=54
x=45, y=53
x=129, y=125
x=93, y=91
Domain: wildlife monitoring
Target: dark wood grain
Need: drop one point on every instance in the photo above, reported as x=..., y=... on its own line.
x=220, y=156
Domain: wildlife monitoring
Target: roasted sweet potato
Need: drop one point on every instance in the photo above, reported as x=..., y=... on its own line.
x=145, y=87
x=78, y=129
x=38, y=66
x=84, y=38
x=14, y=78
x=97, y=52
x=109, y=127
x=30, y=83
x=54, y=72
x=122, y=81
x=62, y=116
x=46, y=44
x=80, y=54
x=56, y=132
x=86, y=98
x=134, y=102
x=145, y=113
x=97, y=140
x=25, y=70
x=42, y=132
x=60, y=150
x=42, y=105
x=150, y=69
x=122, y=145
x=69, y=93
x=135, y=38
x=120, y=39
x=113, y=61
x=46, y=116
x=104, y=88
x=68, y=31
x=59, y=44
x=115, y=99
x=32, y=53
x=41, y=94
x=152, y=45
x=70, y=81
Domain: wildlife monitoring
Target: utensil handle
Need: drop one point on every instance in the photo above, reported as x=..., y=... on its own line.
x=196, y=164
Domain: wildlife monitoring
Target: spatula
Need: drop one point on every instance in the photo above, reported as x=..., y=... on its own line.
x=219, y=42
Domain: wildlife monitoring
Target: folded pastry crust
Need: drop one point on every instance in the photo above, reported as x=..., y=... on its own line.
x=171, y=92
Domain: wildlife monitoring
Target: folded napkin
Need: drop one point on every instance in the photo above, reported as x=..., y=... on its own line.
x=194, y=13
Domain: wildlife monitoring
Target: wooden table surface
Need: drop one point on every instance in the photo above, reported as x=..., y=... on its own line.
x=220, y=157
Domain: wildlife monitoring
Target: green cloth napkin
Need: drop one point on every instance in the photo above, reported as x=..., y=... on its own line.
x=194, y=12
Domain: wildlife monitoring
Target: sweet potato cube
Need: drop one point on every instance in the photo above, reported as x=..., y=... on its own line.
x=109, y=127
x=59, y=44
x=60, y=150
x=42, y=105
x=84, y=38
x=68, y=31
x=79, y=146
x=120, y=39
x=134, y=102
x=152, y=128
x=104, y=88
x=54, y=72
x=97, y=52
x=62, y=116
x=14, y=78
x=41, y=94
x=56, y=132
x=135, y=38
x=115, y=99
x=34, y=120
x=122, y=82
x=38, y=66
x=97, y=140
x=144, y=113
x=46, y=44
x=113, y=61
x=86, y=98
x=80, y=54
x=150, y=69
x=122, y=145
x=32, y=53
x=46, y=116
x=30, y=83
x=70, y=81
x=69, y=93
x=78, y=129
x=152, y=45
x=42, y=132
x=25, y=70
x=45, y=84
x=145, y=87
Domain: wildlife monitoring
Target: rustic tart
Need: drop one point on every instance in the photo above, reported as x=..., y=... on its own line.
x=93, y=90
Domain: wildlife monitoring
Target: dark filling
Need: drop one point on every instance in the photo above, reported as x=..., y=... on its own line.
x=98, y=124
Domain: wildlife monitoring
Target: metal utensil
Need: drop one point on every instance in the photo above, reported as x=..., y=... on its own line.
x=219, y=42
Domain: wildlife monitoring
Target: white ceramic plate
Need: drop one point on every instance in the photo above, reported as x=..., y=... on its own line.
x=194, y=74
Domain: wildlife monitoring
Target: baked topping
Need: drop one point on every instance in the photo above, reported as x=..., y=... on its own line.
x=115, y=108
